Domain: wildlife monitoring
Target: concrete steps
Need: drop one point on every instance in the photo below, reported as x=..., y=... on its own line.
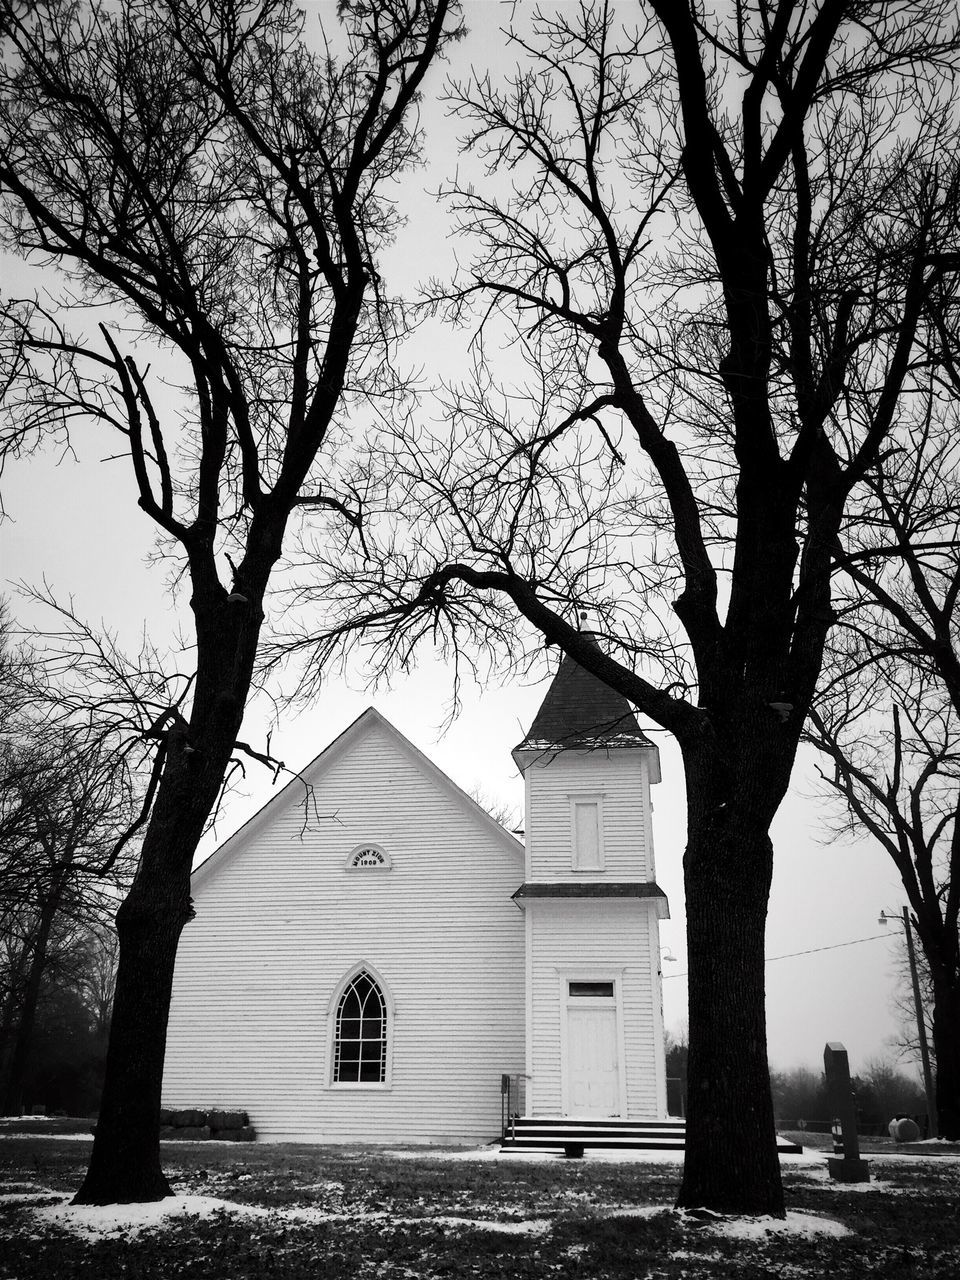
x=573, y=1135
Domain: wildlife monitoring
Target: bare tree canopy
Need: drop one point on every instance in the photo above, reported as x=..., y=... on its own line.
x=216, y=194
x=888, y=715
x=719, y=262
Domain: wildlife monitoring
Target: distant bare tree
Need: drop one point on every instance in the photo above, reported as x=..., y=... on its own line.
x=883, y=1092
x=508, y=815
x=64, y=809
x=888, y=716
x=906, y=1043
x=800, y=1095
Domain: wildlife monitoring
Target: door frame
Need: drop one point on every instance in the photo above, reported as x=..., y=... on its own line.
x=591, y=973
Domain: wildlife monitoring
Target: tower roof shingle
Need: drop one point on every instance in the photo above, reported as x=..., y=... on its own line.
x=581, y=712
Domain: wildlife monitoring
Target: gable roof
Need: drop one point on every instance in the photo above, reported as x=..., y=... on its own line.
x=292, y=792
x=581, y=712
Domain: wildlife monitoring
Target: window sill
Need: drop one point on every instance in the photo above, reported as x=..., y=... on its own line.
x=358, y=1086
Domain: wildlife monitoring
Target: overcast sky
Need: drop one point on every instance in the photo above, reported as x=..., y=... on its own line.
x=76, y=524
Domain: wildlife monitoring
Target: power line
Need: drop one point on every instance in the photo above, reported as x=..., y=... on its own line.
x=809, y=952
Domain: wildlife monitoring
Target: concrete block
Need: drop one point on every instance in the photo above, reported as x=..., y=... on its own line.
x=844, y=1169
x=227, y=1119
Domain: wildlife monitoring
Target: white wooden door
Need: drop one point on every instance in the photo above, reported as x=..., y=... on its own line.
x=592, y=1060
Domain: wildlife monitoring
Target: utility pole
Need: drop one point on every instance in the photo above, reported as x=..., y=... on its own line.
x=921, y=1024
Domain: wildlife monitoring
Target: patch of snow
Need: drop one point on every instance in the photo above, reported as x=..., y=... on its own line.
x=486, y=1152
x=48, y=1137
x=826, y=1183
x=88, y=1137
x=531, y=1227
x=534, y=1226
x=807, y=1155
x=641, y=1211
x=94, y=1220
x=314, y=1213
x=807, y=1225
x=906, y=1157
x=600, y=1155
x=494, y=1152
x=743, y=1228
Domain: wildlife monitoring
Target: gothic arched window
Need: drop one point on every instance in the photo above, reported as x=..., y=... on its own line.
x=360, y=1044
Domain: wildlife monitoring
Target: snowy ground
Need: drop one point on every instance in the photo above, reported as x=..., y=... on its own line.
x=94, y=1222
x=592, y=1155
x=409, y=1213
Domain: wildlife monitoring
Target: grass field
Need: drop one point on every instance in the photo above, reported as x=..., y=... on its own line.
x=343, y=1214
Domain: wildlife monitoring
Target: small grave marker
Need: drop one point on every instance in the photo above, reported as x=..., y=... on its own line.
x=847, y=1167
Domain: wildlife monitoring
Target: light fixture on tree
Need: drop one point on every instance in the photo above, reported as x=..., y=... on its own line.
x=782, y=709
x=904, y=919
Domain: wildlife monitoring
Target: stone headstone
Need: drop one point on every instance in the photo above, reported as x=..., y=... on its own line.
x=847, y=1167
x=904, y=1129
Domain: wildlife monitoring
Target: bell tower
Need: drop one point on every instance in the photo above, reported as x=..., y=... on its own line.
x=594, y=1020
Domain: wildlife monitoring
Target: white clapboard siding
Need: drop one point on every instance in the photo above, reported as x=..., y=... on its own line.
x=619, y=777
x=280, y=924
x=592, y=938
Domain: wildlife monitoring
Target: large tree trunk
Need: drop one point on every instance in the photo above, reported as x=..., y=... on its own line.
x=731, y=1162
x=125, y=1162
x=946, y=1049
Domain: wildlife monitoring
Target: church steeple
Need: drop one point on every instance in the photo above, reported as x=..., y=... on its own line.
x=592, y=905
x=580, y=712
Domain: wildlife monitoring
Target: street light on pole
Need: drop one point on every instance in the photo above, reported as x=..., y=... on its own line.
x=904, y=919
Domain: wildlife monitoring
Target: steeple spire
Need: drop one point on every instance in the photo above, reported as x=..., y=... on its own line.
x=581, y=712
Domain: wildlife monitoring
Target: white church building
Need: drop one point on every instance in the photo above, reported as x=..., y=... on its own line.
x=372, y=953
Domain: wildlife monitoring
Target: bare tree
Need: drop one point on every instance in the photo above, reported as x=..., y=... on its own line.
x=883, y=1092
x=799, y=1098
x=725, y=251
x=97, y=978
x=64, y=807
x=71, y=805
x=906, y=1043
x=216, y=194
x=888, y=716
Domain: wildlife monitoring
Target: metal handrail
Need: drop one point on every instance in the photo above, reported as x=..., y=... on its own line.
x=510, y=1103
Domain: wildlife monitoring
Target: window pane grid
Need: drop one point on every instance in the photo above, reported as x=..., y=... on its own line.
x=360, y=1052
